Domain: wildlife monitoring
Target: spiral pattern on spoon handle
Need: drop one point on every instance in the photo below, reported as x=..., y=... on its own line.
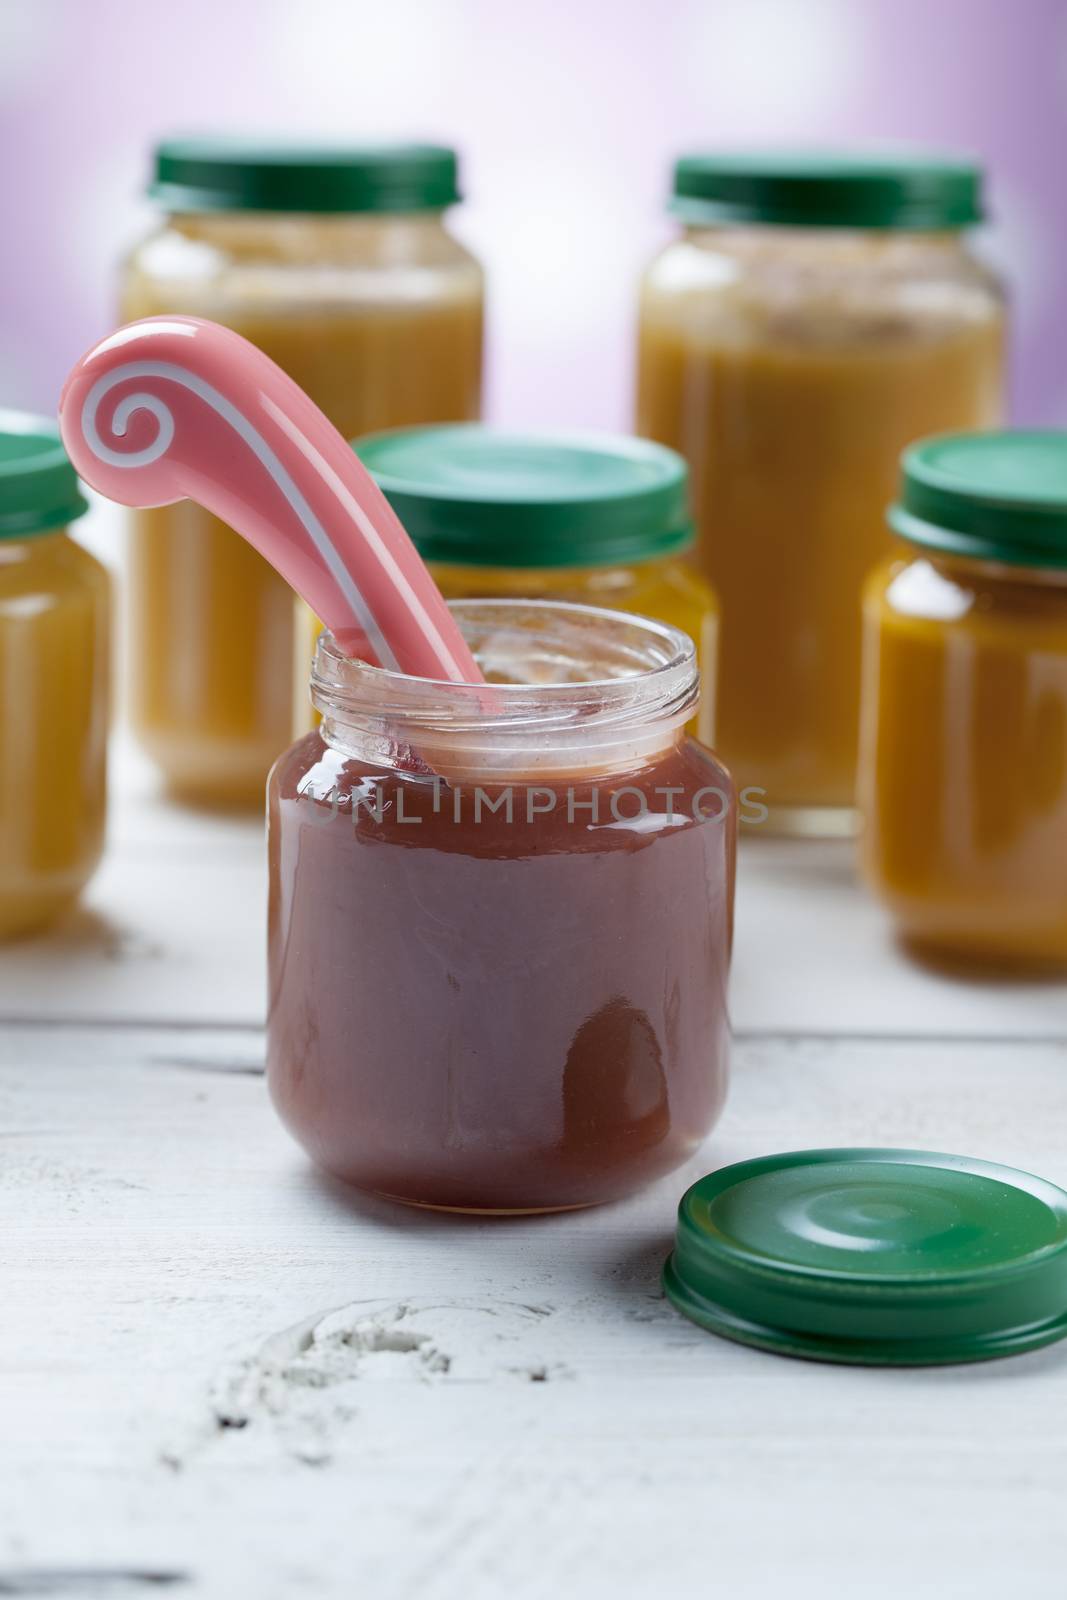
x=178, y=407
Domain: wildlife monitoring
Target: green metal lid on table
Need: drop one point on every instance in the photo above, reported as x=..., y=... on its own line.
x=876, y=1257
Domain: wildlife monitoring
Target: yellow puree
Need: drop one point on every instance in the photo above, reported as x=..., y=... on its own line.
x=963, y=780
x=54, y=693
x=793, y=428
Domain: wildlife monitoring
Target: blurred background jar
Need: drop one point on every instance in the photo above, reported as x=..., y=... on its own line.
x=963, y=775
x=815, y=316
x=54, y=689
x=589, y=518
x=338, y=264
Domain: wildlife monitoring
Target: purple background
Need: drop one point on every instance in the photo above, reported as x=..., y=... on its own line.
x=567, y=113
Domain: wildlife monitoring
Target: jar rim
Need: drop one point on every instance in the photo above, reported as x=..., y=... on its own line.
x=647, y=686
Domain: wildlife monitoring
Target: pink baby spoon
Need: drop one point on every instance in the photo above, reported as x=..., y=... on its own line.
x=176, y=408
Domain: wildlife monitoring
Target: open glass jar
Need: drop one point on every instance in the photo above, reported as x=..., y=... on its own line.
x=500, y=917
x=814, y=317
x=338, y=264
x=963, y=776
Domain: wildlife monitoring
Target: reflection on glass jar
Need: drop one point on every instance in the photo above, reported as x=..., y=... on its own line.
x=54, y=614
x=500, y=918
x=338, y=265
x=964, y=770
x=813, y=319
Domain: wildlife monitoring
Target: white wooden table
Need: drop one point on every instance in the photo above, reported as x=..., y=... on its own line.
x=221, y=1376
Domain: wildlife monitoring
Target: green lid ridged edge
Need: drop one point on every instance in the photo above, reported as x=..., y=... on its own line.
x=45, y=481
x=491, y=531
x=855, y=1352
x=913, y=194
x=937, y=511
x=198, y=175
x=529, y=550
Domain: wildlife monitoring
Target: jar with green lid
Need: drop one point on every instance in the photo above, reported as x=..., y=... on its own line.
x=814, y=315
x=54, y=614
x=963, y=776
x=586, y=518
x=338, y=263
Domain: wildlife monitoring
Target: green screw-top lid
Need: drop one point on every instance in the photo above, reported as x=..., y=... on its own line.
x=240, y=175
x=39, y=489
x=881, y=1257
x=470, y=495
x=907, y=190
x=987, y=496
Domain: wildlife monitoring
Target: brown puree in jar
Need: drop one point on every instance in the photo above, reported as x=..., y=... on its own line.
x=496, y=1014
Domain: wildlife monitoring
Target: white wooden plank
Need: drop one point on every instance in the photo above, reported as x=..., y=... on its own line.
x=473, y=1409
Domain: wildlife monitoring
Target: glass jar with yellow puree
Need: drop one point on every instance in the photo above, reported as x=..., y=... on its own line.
x=338, y=264
x=586, y=518
x=815, y=316
x=54, y=612
x=963, y=775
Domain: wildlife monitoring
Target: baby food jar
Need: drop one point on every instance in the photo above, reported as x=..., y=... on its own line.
x=337, y=263
x=964, y=742
x=54, y=608
x=499, y=917
x=815, y=316
x=582, y=517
